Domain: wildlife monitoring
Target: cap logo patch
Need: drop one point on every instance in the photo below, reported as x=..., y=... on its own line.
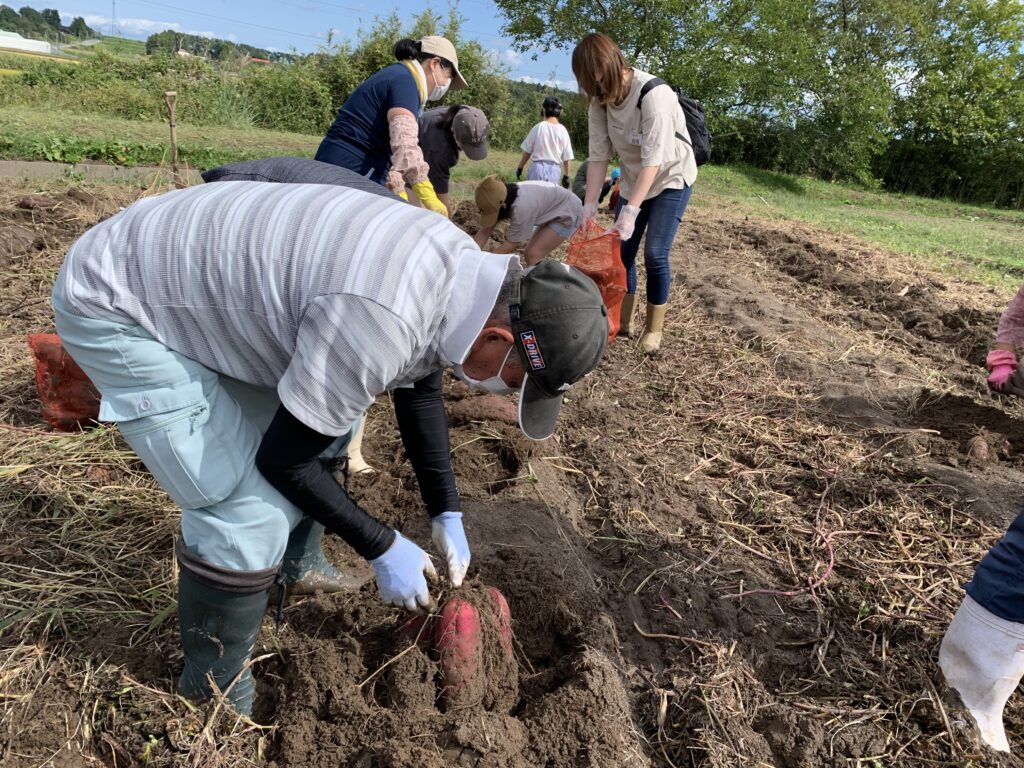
x=533, y=354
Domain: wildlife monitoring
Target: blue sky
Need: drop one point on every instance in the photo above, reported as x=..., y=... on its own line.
x=303, y=24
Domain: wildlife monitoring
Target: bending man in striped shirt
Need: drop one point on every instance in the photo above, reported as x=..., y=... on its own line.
x=237, y=331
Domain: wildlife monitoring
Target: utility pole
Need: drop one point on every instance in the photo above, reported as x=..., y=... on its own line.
x=113, y=17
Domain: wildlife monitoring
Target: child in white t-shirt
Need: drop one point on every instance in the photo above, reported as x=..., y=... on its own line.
x=548, y=145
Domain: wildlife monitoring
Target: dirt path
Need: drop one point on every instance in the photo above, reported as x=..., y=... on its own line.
x=742, y=551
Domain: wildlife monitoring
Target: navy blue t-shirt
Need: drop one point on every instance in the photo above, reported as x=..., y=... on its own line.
x=359, y=139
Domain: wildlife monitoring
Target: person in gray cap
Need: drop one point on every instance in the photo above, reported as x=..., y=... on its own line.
x=236, y=330
x=444, y=131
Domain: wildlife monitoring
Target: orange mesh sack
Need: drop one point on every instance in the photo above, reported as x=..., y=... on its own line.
x=70, y=401
x=595, y=253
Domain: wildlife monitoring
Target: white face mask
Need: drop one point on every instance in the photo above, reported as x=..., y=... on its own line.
x=494, y=384
x=438, y=91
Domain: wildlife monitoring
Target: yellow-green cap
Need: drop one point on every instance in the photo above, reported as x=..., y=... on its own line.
x=490, y=195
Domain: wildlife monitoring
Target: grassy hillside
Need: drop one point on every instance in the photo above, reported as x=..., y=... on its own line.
x=972, y=241
x=32, y=134
x=116, y=46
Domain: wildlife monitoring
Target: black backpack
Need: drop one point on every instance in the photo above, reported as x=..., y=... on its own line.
x=700, y=136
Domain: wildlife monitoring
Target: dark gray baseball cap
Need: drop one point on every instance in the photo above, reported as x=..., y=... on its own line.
x=470, y=128
x=560, y=325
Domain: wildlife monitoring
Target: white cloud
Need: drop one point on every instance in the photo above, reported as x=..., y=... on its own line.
x=567, y=85
x=505, y=57
x=512, y=57
x=134, y=27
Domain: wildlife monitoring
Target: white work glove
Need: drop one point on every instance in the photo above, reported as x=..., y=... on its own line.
x=626, y=222
x=400, y=574
x=589, y=213
x=450, y=540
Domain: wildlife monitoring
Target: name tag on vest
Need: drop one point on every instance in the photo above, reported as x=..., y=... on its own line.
x=636, y=138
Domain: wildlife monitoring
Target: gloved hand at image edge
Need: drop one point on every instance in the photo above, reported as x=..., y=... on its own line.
x=425, y=192
x=1001, y=364
x=402, y=574
x=450, y=539
x=565, y=182
x=626, y=222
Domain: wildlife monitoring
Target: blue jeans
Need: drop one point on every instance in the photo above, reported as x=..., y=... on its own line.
x=196, y=431
x=661, y=217
x=998, y=583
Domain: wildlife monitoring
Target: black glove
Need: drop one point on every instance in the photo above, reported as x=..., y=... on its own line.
x=519, y=173
x=565, y=182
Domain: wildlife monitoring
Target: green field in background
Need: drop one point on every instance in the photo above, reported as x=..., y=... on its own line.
x=971, y=241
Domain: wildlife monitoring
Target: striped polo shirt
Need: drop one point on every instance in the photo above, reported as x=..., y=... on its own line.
x=332, y=295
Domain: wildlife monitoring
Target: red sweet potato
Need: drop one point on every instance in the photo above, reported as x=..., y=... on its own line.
x=503, y=618
x=457, y=639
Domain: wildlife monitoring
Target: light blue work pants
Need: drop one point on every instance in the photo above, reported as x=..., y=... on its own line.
x=545, y=170
x=197, y=432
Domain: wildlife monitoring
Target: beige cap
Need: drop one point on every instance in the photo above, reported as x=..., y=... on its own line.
x=490, y=195
x=435, y=45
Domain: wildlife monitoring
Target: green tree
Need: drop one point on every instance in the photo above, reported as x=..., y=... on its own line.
x=80, y=29
x=33, y=23
x=822, y=86
x=10, y=21
x=52, y=18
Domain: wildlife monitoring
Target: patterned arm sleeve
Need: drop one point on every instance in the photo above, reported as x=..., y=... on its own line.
x=406, y=155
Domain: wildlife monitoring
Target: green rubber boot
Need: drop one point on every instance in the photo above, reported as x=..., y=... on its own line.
x=218, y=632
x=306, y=569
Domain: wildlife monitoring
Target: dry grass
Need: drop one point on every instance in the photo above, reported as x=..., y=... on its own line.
x=87, y=590
x=822, y=566
x=794, y=572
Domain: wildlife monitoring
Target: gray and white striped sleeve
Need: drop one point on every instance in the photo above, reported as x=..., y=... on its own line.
x=348, y=350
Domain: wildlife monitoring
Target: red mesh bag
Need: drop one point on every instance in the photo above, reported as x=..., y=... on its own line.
x=595, y=253
x=70, y=401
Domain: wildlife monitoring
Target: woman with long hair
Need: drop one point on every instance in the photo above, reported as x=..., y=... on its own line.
x=646, y=128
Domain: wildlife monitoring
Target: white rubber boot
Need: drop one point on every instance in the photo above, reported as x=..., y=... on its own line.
x=356, y=463
x=982, y=657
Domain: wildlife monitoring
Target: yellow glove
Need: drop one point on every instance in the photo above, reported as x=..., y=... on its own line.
x=403, y=194
x=425, y=192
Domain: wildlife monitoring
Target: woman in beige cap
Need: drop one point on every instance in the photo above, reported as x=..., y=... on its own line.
x=376, y=133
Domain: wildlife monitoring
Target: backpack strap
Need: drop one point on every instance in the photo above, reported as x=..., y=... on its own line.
x=646, y=88
x=654, y=82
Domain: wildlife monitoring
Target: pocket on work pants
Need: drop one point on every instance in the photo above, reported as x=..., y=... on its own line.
x=192, y=442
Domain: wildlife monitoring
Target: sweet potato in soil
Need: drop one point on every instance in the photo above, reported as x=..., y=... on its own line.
x=742, y=551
